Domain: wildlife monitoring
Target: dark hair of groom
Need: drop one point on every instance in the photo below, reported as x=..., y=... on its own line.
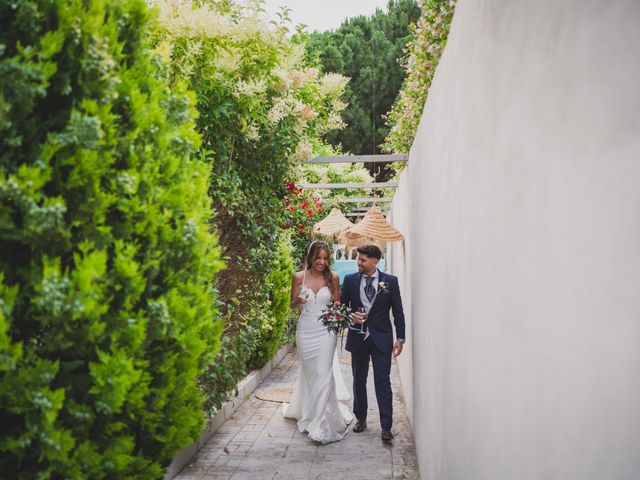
x=372, y=251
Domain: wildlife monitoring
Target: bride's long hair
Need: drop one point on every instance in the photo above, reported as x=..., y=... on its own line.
x=314, y=250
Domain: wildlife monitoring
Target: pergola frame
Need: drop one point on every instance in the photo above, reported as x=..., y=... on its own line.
x=334, y=186
x=386, y=158
x=364, y=200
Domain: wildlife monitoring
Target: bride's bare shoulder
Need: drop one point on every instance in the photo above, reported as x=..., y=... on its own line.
x=298, y=275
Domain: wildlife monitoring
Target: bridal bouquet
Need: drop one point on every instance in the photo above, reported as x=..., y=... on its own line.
x=335, y=317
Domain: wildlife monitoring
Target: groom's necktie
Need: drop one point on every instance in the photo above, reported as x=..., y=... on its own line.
x=369, y=291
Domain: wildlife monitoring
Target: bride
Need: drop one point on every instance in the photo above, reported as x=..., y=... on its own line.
x=320, y=387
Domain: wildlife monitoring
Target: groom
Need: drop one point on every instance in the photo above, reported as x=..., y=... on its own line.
x=378, y=293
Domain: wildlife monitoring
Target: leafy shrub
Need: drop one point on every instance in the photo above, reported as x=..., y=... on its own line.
x=263, y=110
x=263, y=328
x=278, y=287
x=230, y=365
x=107, y=311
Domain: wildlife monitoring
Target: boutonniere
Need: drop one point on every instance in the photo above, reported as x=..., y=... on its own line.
x=383, y=287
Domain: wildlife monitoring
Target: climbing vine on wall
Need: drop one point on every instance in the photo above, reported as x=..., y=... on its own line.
x=420, y=63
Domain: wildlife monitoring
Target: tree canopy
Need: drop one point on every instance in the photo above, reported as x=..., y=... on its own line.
x=367, y=50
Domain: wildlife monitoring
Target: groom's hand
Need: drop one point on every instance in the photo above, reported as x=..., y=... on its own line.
x=397, y=348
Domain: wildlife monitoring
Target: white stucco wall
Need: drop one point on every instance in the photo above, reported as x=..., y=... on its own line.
x=397, y=260
x=521, y=269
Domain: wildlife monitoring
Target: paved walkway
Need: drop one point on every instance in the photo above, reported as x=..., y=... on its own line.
x=259, y=443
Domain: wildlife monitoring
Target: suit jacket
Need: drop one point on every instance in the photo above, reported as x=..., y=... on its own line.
x=378, y=322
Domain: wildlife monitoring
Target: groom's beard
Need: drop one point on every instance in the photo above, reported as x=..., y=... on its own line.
x=361, y=271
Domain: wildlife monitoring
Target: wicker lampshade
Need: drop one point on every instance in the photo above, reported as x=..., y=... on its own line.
x=333, y=223
x=375, y=226
x=354, y=242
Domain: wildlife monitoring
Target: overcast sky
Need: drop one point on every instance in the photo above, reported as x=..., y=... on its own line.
x=324, y=14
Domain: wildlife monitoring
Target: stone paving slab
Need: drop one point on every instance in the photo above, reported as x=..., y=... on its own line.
x=257, y=442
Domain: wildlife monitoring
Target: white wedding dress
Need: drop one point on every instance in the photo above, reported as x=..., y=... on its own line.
x=320, y=388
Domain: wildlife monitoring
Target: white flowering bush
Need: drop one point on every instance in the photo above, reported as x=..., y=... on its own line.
x=250, y=73
x=423, y=55
x=263, y=111
x=338, y=173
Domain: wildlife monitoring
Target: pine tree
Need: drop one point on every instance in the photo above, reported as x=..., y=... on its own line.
x=367, y=50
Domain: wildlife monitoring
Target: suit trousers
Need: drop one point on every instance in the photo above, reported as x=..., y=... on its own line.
x=381, y=379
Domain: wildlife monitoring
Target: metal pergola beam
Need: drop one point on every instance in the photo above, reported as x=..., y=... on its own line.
x=365, y=210
x=354, y=214
x=332, y=186
x=360, y=199
x=387, y=158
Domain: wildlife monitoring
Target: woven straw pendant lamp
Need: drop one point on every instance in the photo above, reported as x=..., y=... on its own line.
x=355, y=242
x=332, y=224
x=376, y=227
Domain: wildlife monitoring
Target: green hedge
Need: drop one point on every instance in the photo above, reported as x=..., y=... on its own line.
x=262, y=331
x=107, y=312
x=277, y=295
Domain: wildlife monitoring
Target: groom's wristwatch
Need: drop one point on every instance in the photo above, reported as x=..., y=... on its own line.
x=401, y=340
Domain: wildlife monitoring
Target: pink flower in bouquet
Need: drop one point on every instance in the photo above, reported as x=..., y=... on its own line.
x=335, y=317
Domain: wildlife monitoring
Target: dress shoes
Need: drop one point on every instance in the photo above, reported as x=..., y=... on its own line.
x=360, y=426
x=387, y=436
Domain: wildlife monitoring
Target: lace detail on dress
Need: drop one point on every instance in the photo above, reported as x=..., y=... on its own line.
x=330, y=425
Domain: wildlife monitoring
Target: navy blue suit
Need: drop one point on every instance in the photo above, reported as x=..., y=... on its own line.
x=378, y=346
